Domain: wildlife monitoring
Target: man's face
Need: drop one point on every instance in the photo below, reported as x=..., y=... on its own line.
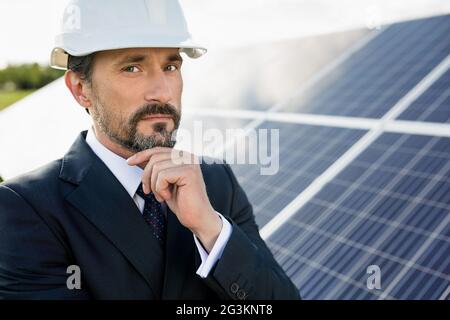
x=136, y=96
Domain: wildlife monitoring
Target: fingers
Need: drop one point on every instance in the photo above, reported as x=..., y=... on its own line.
x=162, y=161
x=168, y=179
x=146, y=176
x=142, y=156
x=156, y=168
x=178, y=156
x=145, y=155
x=159, y=160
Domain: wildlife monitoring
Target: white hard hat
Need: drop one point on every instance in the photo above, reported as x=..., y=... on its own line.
x=89, y=26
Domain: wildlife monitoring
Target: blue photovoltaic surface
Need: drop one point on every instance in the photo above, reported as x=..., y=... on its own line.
x=433, y=105
x=374, y=78
x=258, y=76
x=391, y=208
x=305, y=152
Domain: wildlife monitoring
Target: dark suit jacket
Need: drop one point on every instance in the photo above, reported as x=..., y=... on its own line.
x=73, y=211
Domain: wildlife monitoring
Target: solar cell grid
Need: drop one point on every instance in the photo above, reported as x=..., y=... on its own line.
x=377, y=76
x=384, y=209
x=433, y=105
x=304, y=153
x=390, y=206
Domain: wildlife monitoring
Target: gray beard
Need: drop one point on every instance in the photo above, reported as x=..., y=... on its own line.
x=127, y=136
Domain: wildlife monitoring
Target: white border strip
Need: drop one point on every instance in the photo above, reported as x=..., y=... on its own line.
x=303, y=118
x=421, y=128
x=398, y=126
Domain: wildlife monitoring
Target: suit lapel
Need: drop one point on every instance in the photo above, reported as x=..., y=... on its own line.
x=101, y=198
x=179, y=257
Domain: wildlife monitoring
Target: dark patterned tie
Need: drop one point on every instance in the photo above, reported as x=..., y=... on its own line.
x=153, y=214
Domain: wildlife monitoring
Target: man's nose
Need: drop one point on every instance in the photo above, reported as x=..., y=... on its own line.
x=158, y=89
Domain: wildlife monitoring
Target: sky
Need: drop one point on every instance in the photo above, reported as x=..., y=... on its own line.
x=28, y=26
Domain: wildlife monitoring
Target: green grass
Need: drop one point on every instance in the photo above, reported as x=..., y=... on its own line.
x=9, y=97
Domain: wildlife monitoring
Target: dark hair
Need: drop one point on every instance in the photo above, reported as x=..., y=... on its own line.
x=83, y=66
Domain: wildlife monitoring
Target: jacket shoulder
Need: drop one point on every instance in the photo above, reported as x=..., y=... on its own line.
x=39, y=181
x=216, y=171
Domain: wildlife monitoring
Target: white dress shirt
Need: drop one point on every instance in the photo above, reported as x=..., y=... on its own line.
x=130, y=178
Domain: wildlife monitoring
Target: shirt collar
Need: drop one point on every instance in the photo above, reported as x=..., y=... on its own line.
x=128, y=176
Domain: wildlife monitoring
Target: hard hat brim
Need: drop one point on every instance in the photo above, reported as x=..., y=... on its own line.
x=59, y=57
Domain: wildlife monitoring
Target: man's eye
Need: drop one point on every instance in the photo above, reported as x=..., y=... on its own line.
x=171, y=67
x=132, y=69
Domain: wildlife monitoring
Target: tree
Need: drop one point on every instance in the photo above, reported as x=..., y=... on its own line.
x=27, y=76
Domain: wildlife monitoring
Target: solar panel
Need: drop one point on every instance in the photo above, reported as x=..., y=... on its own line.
x=255, y=77
x=305, y=152
x=354, y=197
x=391, y=208
x=433, y=105
x=380, y=73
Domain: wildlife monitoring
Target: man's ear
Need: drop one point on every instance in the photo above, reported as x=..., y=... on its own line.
x=78, y=88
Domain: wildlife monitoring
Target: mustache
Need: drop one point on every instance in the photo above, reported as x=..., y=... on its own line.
x=156, y=108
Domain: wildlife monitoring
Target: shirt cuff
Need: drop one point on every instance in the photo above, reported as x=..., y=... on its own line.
x=209, y=260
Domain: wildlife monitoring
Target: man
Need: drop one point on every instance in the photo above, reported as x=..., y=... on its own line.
x=134, y=218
